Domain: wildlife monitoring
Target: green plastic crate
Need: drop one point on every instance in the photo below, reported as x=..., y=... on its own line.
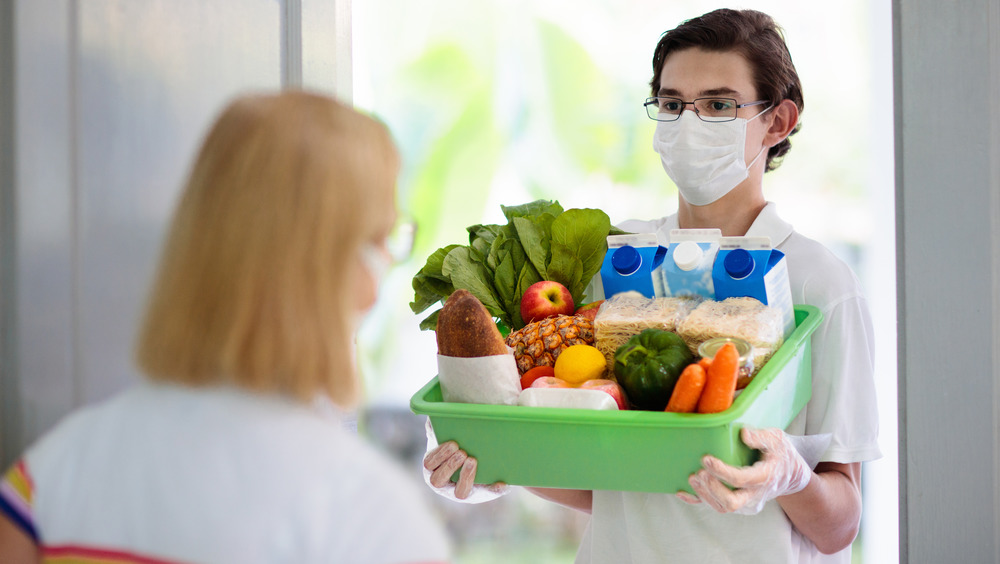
x=623, y=450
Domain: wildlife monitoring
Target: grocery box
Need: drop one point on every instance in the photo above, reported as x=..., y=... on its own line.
x=623, y=450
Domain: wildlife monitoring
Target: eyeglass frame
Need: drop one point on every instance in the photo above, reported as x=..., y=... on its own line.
x=652, y=100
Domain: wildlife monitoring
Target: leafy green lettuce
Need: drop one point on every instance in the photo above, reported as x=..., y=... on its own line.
x=540, y=241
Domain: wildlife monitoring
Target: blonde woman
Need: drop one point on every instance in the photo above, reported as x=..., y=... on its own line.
x=231, y=449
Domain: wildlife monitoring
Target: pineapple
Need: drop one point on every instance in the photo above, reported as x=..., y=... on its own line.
x=540, y=342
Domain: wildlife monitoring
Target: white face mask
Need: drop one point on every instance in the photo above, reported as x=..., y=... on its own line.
x=377, y=262
x=705, y=160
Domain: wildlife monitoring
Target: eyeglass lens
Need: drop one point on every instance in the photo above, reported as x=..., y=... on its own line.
x=708, y=109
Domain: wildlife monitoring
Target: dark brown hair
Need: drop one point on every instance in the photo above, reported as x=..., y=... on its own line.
x=752, y=34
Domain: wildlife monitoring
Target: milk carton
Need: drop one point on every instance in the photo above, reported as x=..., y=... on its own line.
x=632, y=263
x=687, y=269
x=748, y=266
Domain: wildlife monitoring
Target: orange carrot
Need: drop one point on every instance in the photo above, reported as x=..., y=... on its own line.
x=684, y=398
x=720, y=382
x=705, y=362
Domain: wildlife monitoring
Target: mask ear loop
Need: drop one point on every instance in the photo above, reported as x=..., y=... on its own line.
x=749, y=166
x=767, y=109
x=759, y=153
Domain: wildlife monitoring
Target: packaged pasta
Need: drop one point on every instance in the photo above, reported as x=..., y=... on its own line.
x=745, y=318
x=628, y=313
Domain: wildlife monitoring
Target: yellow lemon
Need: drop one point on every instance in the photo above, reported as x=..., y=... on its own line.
x=579, y=363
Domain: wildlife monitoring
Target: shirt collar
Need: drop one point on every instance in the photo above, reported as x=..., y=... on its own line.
x=767, y=224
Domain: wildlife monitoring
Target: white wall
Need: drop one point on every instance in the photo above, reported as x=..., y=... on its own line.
x=947, y=83
x=107, y=102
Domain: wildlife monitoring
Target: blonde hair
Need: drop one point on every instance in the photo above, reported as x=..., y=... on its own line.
x=252, y=287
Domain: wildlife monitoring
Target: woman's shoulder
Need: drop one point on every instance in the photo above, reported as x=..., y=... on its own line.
x=384, y=497
x=77, y=426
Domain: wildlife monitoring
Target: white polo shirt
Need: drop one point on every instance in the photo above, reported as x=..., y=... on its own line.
x=170, y=474
x=633, y=527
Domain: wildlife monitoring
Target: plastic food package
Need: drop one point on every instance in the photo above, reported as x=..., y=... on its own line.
x=628, y=313
x=574, y=398
x=746, y=318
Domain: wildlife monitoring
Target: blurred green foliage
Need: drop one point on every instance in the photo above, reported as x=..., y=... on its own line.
x=461, y=116
x=446, y=115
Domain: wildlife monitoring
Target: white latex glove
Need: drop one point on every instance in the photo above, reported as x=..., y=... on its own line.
x=781, y=470
x=441, y=462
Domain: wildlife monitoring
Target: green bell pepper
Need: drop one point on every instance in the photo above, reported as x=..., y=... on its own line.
x=648, y=365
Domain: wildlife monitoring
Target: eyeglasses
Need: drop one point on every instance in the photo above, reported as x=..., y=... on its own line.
x=707, y=109
x=396, y=248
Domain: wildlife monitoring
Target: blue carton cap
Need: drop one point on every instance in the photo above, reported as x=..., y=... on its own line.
x=626, y=260
x=738, y=263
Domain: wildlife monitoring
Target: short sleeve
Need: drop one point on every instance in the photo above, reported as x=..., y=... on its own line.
x=16, y=498
x=844, y=400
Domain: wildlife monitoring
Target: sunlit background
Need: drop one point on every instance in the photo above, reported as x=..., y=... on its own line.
x=506, y=101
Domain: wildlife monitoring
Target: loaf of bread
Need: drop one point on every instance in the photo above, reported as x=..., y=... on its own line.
x=466, y=329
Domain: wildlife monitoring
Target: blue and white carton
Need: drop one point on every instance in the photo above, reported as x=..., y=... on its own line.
x=633, y=263
x=749, y=267
x=687, y=269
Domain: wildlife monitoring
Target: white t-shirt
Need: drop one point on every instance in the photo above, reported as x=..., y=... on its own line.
x=633, y=527
x=173, y=474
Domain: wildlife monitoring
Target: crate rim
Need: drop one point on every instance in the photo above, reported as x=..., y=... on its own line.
x=631, y=418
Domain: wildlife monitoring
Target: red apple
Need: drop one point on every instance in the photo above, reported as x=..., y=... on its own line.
x=610, y=387
x=589, y=310
x=535, y=373
x=547, y=298
x=550, y=382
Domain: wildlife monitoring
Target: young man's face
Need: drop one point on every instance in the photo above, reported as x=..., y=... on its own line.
x=696, y=73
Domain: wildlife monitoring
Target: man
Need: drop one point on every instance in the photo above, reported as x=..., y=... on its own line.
x=726, y=98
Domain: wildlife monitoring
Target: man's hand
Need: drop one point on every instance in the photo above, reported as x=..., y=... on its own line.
x=780, y=471
x=444, y=460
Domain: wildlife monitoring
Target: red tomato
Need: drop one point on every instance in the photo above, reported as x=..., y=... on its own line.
x=535, y=373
